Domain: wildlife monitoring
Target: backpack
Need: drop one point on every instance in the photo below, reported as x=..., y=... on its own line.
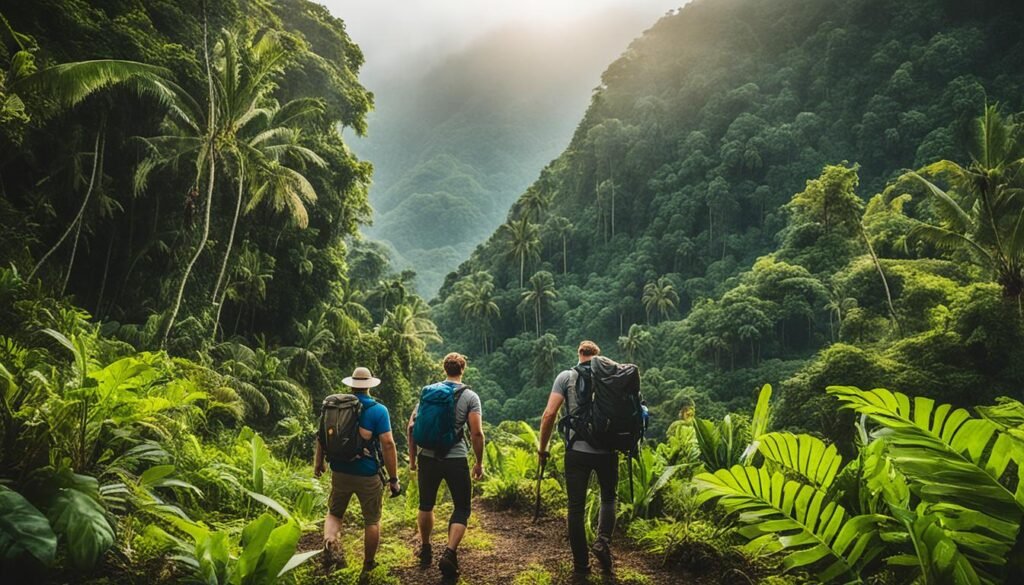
x=434, y=427
x=339, y=425
x=605, y=408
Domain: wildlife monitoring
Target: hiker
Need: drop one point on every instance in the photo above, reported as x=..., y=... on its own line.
x=619, y=403
x=438, y=450
x=355, y=437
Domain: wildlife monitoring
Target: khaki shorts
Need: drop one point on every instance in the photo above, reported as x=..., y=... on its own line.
x=369, y=490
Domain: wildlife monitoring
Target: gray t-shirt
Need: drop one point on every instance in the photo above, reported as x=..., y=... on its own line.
x=468, y=402
x=561, y=387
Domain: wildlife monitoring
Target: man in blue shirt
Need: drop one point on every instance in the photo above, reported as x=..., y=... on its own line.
x=362, y=476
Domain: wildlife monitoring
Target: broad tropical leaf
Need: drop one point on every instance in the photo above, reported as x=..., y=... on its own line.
x=814, y=532
x=937, y=558
x=24, y=529
x=956, y=465
x=803, y=454
x=83, y=524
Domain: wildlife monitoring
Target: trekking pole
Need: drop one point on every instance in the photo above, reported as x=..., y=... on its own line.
x=540, y=477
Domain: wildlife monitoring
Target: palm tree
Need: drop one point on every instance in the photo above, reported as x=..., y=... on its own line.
x=266, y=146
x=547, y=355
x=248, y=285
x=837, y=306
x=475, y=295
x=261, y=379
x=539, y=295
x=412, y=327
x=313, y=339
x=67, y=85
x=523, y=243
x=636, y=343
x=981, y=214
x=561, y=228
x=660, y=295
x=750, y=333
x=534, y=203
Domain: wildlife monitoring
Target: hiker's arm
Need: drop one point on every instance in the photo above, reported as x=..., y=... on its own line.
x=318, y=459
x=476, y=437
x=389, y=451
x=412, y=441
x=547, y=420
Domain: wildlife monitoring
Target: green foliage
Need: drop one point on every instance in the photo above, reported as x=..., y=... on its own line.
x=25, y=530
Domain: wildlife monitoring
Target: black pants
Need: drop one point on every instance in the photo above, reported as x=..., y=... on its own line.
x=578, y=467
x=455, y=473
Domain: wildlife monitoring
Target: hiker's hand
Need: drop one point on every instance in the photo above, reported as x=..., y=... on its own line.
x=543, y=456
x=319, y=469
x=395, y=487
x=412, y=465
x=478, y=472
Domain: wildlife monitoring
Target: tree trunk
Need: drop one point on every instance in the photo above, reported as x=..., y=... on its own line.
x=103, y=280
x=565, y=257
x=209, y=189
x=885, y=282
x=227, y=253
x=81, y=209
x=522, y=268
x=71, y=261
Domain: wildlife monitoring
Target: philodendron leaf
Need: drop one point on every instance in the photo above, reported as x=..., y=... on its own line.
x=24, y=529
x=82, y=523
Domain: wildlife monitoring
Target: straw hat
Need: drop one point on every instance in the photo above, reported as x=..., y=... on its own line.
x=361, y=378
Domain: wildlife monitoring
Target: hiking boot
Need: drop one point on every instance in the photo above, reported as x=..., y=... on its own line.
x=580, y=576
x=333, y=556
x=369, y=566
x=449, y=564
x=603, y=553
x=426, y=555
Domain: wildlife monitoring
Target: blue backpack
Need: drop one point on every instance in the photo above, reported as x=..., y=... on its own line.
x=434, y=427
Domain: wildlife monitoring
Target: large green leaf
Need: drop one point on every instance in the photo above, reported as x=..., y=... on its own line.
x=936, y=558
x=803, y=454
x=24, y=529
x=814, y=532
x=266, y=551
x=82, y=522
x=956, y=465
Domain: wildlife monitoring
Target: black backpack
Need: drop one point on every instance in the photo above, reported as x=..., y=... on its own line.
x=339, y=426
x=605, y=408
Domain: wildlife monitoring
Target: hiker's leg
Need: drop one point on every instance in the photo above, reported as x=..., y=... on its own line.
x=577, y=475
x=371, y=540
x=461, y=490
x=371, y=501
x=332, y=528
x=337, y=503
x=607, y=469
x=429, y=479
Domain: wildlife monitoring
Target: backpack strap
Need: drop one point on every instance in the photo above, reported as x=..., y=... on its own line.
x=572, y=402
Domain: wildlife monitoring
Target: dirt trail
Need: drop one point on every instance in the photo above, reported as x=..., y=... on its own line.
x=501, y=545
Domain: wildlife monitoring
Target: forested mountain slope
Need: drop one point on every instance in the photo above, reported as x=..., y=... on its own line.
x=454, y=145
x=677, y=180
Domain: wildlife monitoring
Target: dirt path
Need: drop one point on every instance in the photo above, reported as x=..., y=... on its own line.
x=502, y=545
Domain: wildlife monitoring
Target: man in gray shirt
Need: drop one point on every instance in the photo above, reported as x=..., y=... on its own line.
x=582, y=459
x=452, y=467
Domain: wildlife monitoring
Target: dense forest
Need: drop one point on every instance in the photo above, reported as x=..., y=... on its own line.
x=802, y=219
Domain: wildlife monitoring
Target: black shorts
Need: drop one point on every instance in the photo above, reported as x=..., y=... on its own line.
x=455, y=473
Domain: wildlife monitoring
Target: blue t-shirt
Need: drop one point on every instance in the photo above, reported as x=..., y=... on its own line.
x=375, y=419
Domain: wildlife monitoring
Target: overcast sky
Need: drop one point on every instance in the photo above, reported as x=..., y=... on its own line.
x=414, y=32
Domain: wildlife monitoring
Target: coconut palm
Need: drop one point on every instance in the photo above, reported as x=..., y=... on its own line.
x=412, y=327
x=981, y=213
x=67, y=85
x=636, y=343
x=523, y=243
x=475, y=296
x=660, y=295
x=539, y=296
x=248, y=284
x=750, y=333
x=534, y=203
x=837, y=306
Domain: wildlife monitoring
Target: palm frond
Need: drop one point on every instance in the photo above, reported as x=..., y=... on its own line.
x=70, y=83
x=803, y=454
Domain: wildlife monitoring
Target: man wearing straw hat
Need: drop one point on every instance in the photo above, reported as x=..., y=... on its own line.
x=360, y=476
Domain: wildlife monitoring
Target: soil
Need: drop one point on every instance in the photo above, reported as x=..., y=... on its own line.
x=500, y=545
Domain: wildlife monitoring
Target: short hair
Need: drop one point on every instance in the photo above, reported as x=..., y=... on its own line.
x=589, y=349
x=454, y=364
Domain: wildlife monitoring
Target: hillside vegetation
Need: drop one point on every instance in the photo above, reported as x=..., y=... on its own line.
x=718, y=215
